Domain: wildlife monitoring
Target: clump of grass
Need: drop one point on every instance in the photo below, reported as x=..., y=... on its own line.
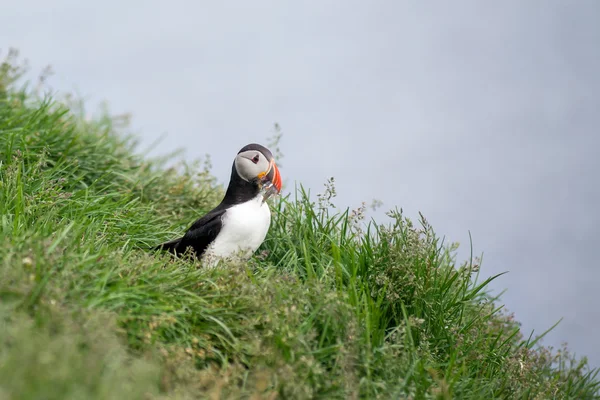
x=330, y=306
x=53, y=354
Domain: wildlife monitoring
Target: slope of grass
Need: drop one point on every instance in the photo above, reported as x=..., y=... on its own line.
x=328, y=308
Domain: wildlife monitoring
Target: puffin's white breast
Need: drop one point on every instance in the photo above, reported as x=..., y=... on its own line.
x=244, y=227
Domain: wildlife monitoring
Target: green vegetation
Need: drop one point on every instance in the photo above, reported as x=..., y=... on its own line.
x=329, y=307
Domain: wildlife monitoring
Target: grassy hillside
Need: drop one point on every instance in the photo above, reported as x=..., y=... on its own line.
x=326, y=309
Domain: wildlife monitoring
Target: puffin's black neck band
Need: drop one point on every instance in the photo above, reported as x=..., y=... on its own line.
x=239, y=191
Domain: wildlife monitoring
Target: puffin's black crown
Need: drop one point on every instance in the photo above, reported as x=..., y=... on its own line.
x=258, y=147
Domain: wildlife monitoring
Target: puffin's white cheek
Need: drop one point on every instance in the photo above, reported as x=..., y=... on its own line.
x=242, y=168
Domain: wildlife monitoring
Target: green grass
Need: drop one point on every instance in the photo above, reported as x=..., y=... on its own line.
x=329, y=307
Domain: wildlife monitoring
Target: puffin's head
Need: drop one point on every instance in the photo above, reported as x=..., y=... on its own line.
x=255, y=163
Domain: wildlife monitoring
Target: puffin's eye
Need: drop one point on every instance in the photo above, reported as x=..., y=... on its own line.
x=255, y=159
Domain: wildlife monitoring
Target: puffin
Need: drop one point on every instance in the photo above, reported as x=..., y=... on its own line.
x=236, y=227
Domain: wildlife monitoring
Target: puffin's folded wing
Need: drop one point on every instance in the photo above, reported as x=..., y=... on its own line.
x=169, y=246
x=202, y=232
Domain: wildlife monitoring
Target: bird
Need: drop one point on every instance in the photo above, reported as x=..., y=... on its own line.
x=236, y=227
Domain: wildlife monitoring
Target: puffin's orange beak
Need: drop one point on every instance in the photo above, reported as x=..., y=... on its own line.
x=276, y=179
x=272, y=175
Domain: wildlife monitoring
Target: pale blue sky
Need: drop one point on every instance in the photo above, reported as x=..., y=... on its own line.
x=482, y=115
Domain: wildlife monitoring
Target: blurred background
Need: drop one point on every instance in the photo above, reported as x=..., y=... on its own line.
x=483, y=116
